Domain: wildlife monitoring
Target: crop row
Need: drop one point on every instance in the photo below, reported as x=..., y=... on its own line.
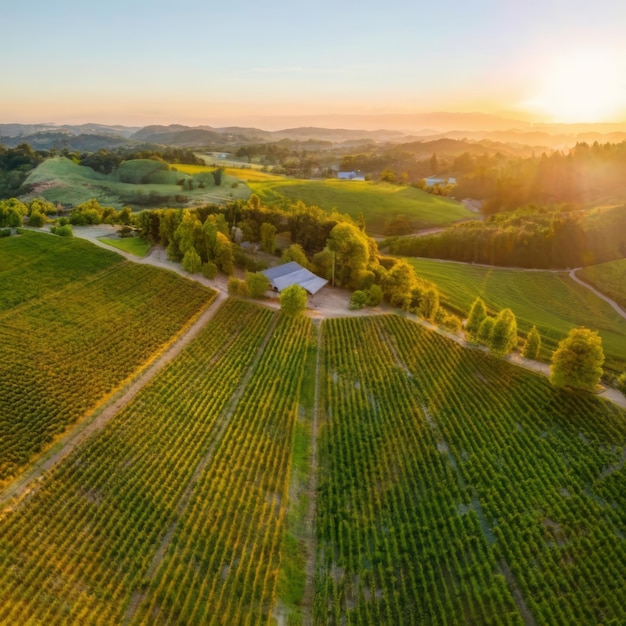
x=63, y=352
x=454, y=483
x=78, y=550
x=225, y=556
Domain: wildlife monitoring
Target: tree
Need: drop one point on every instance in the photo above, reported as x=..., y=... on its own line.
x=358, y=300
x=485, y=331
x=293, y=300
x=477, y=314
x=504, y=334
x=268, y=237
x=398, y=283
x=258, y=284
x=295, y=253
x=374, y=295
x=352, y=253
x=429, y=304
x=36, y=219
x=192, y=262
x=533, y=344
x=577, y=362
x=238, y=287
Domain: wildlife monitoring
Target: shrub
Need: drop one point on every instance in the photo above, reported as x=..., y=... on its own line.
x=621, y=383
x=358, y=300
x=293, y=300
x=257, y=284
x=237, y=287
x=209, y=270
x=374, y=295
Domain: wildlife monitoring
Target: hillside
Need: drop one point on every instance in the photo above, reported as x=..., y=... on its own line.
x=377, y=202
x=552, y=301
x=531, y=237
x=609, y=278
x=137, y=183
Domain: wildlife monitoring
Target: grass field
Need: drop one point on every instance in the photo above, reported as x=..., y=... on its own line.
x=134, y=245
x=377, y=202
x=459, y=489
x=244, y=173
x=609, y=278
x=75, y=322
x=138, y=184
x=551, y=300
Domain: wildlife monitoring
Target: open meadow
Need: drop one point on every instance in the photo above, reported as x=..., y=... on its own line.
x=138, y=183
x=76, y=322
x=377, y=201
x=609, y=278
x=550, y=300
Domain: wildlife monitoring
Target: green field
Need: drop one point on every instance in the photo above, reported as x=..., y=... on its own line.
x=459, y=489
x=138, y=183
x=134, y=245
x=244, y=172
x=609, y=278
x=75, y=322
x=550, y=300
x=377, y=202
x=453, y=488
x=177, y=508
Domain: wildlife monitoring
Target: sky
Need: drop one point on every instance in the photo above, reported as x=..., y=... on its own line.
x=138, y=62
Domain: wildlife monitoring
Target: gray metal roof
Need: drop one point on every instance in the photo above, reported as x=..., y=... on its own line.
x=292, y=273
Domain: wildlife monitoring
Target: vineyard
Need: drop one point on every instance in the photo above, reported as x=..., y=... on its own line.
x=75, y=322
x=452, y=488
x=174, y=513
x=459, y=489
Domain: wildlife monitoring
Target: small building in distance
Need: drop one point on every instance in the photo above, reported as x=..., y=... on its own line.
x=436, y=180
x=350, y=176
x=292, y=273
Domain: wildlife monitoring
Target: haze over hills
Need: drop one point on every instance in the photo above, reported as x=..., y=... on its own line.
x=473, y=127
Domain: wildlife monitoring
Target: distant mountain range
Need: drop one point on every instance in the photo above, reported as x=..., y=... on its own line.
x=471, y=127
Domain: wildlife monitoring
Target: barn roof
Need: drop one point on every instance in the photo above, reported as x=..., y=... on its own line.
x=292, y=273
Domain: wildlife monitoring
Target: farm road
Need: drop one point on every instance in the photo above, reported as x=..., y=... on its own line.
x=618, y=309
x=334, y=302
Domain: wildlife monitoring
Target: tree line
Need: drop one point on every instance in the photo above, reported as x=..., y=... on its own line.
x=532, y=237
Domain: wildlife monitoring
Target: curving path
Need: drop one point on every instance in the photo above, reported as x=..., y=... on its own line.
x=580, y=281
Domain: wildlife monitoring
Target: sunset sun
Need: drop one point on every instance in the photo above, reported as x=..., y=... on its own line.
x=583, y=87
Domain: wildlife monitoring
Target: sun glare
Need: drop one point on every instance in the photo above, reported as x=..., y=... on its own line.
x=583, y=87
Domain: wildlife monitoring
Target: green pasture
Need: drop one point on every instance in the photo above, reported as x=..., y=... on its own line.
x=609, y=278
x=133, y=245
x=141, y=183
x=377, y=201
x=550, y=300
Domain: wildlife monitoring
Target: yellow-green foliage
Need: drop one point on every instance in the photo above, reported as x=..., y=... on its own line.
x=69, y=341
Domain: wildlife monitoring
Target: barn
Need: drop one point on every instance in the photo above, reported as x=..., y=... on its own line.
x=292, y=273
